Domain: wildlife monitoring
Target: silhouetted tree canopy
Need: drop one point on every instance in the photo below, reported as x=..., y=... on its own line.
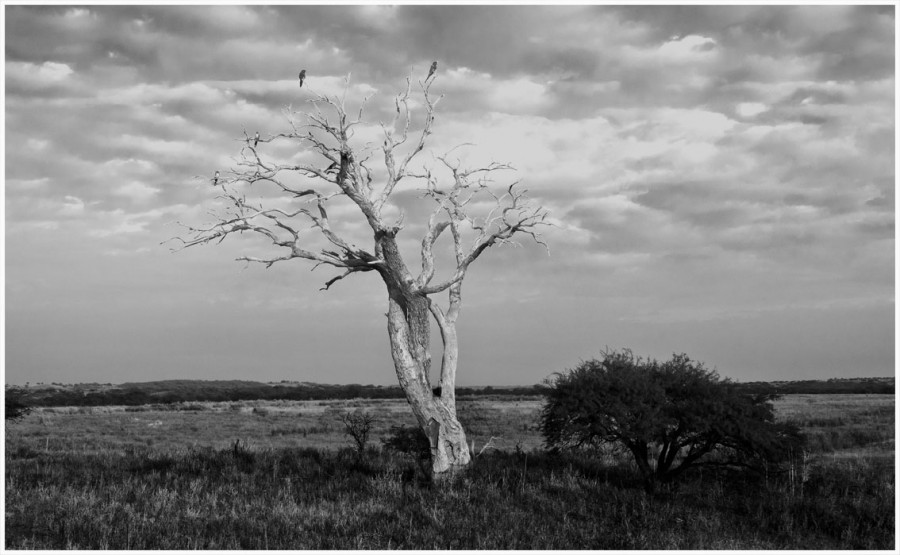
x=669, y=415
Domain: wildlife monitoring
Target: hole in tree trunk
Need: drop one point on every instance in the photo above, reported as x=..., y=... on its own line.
x=433, y=430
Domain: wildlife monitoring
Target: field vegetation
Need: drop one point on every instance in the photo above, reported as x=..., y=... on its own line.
x=284, y=475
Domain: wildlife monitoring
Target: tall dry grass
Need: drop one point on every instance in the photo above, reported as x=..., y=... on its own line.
x=178, y=480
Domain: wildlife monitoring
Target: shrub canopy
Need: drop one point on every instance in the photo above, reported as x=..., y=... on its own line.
x=669, y=416
x=16, y=409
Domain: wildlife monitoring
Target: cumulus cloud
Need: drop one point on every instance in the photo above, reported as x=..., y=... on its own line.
x=136, y=191
x=687, y=49
x=36, y=76
x=120, y=228
x=72, y=206
x=699, y=161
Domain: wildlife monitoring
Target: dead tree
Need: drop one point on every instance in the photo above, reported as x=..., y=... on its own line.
x=295, y=216
x=357, y=427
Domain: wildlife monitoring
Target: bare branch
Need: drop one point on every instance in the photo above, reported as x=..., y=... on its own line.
x=332, y=281
x=434, y=231
x=488, y=445
x=328, y=131
x=267, y=261
x=511, y=215
x=396, y=172
x=277, y=226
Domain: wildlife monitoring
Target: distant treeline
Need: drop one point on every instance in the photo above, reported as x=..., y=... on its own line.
x=180, y=391
x=833, y=386
x=137, y=394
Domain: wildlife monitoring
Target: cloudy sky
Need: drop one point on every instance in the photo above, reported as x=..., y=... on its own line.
x=721, y=179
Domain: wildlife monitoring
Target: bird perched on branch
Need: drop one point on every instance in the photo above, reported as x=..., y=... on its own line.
x=302, y=76
x=216, y=179
x=256, y=140
x=432, y=70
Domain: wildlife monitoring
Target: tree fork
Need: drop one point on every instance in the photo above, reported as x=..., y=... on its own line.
x=409, y=330
x=447, y=439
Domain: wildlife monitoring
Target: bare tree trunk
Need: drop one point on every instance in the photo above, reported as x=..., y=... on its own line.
x=409, y=331
x=436, y=417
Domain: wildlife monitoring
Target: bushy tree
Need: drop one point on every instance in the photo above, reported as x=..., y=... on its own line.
x=669, y=416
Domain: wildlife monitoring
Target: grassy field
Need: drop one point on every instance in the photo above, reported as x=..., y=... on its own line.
x=259, y=424
x=173, y=477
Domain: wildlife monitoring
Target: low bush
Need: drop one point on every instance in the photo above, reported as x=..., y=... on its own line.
x=408, y=440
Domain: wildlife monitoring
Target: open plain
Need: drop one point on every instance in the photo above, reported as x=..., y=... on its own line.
x=282, y=475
